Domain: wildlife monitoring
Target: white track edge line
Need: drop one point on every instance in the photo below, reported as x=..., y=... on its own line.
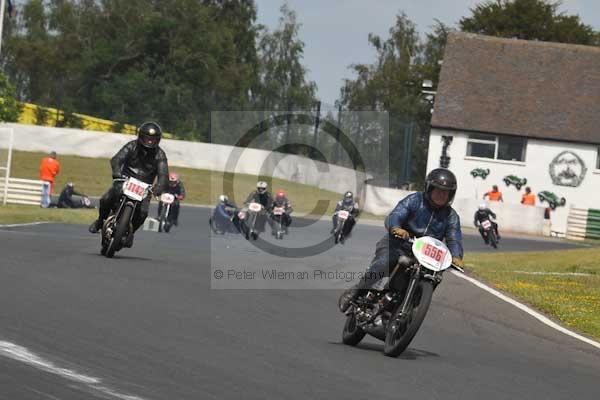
x=25, y=224
x=545, y=320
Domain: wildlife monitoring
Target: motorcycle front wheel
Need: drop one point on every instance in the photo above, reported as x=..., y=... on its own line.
x=401, y=329
x=352, y=333
x=121, y=228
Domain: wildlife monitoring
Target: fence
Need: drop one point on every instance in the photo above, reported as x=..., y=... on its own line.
x=583, y=224
x=21, y=191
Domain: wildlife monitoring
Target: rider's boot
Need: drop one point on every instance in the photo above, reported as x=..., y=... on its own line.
x=96, y=226
x=348, y=297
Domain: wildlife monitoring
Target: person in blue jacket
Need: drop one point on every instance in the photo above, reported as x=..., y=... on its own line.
x=418, y=214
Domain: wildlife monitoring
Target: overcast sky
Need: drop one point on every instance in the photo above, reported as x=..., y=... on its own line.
x=335, y=31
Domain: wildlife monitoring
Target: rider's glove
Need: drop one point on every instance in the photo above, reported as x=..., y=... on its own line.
x=399, y=232
x=458, y=262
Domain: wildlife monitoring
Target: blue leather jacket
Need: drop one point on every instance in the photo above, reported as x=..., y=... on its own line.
x=414, y=214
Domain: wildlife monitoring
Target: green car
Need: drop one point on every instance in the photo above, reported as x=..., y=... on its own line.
x=480, y=172
x=515, y=180
x=551, y=198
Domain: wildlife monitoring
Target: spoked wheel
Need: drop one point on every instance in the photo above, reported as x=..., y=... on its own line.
x=120, y=230
x=402, y=329
x=352, y=333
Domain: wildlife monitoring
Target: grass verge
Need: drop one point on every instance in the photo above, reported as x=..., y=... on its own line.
x=564, y=284
x=19, y=214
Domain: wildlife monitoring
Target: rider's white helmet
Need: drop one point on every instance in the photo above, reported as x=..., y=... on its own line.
x=223, y=198
x=261, y=186
x=482, y=206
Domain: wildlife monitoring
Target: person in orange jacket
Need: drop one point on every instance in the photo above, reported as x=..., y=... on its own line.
x=49, y=168
x=494, y=194
x=528, y=198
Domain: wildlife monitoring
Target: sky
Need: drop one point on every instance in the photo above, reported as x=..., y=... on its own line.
x=335, y=32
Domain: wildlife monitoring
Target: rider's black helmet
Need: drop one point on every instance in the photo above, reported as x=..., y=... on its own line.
x=440, y=178
x=348, y=197
x=149, y=134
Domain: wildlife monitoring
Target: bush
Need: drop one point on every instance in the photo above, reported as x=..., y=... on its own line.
x=10, y=109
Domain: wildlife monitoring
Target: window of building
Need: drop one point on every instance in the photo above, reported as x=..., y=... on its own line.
x=511, y=148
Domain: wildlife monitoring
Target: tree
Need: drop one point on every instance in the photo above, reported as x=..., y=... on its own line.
x=9, y=107
x=529, y=20
x=392, y=83
x=132, y=60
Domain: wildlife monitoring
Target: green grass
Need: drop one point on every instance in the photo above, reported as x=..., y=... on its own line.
x=572, y=299
x=92, y=176
x=18, y=214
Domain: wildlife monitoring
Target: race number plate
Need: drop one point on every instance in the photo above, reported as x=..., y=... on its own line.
x=432, y=253
x=254, y=207
x=167, y=198
x=135, y=189
x=343, y=214
x=278, y=211
x=486, y=224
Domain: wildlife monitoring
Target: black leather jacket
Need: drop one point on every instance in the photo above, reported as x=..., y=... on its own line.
x=136, y=161
x=177, y=190
x=265, y=199
x=482, y=215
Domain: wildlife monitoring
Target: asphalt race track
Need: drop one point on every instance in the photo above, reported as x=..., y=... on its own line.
x=146, y=325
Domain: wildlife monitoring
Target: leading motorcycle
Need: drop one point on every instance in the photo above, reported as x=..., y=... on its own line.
x=394, y=311
x=118, y=226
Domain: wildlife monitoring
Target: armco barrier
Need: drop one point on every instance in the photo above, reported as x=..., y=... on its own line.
x=21, y=191
x=583, y=224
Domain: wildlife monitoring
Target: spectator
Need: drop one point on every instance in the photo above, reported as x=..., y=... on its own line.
x=49, y=168
x=528, y=198
x=494, y=194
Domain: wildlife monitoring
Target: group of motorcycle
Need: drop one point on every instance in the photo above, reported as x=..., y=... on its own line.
x=249, y=220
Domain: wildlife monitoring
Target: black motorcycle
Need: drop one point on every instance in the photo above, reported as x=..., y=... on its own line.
x=165, y=220
x=489, y=234
x=118, y=226
x=248, y=218
x=278, y=216
x=394, y=311
x=224, y=219
x=343, y=226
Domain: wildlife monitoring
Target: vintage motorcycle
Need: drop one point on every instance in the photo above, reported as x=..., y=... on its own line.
x=341, y=231
x=248, y=217
x=164, y=222
x=118, y=226
x=394, y=311
x=278, y=215
x=489, y=234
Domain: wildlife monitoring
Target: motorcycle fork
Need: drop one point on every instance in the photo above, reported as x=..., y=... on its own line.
x=410, y=291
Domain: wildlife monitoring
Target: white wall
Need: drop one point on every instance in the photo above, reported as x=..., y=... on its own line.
x=540, y=154
x=208, y=156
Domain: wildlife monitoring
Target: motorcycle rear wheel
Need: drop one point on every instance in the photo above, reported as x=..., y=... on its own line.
x=121, y=228
x=401, y=330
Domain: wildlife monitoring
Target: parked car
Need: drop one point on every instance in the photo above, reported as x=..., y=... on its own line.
x=480, y=172
x=515, y=180
x=552, y=199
